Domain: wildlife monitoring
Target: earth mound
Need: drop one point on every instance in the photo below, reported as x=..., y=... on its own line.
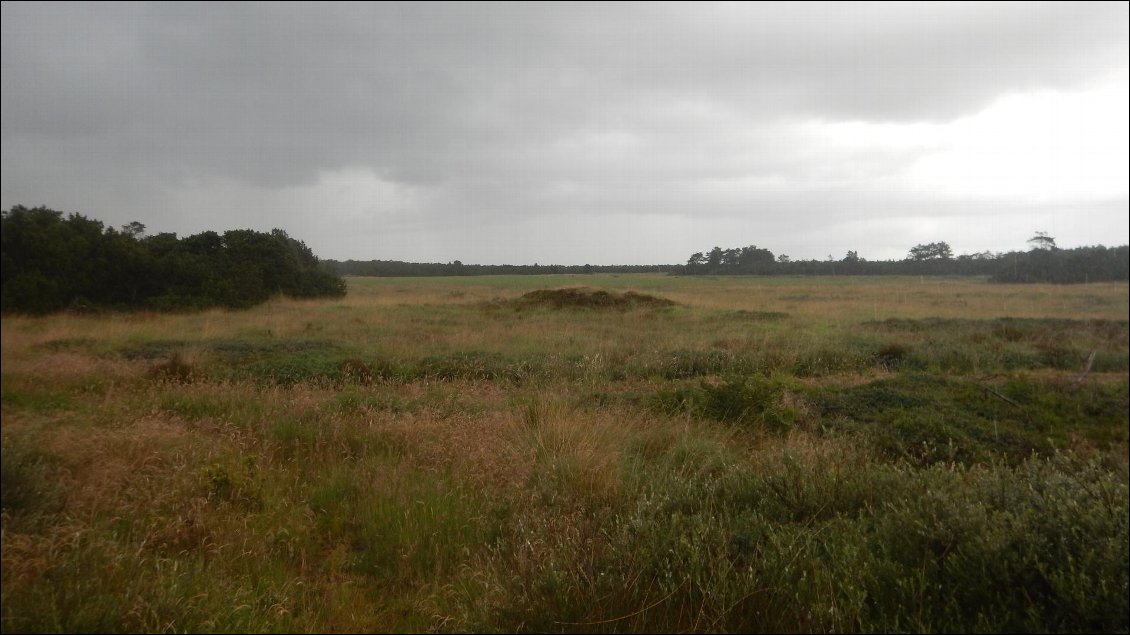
x=584, y=298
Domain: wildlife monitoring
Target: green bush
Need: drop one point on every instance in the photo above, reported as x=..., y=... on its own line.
x=751, y=401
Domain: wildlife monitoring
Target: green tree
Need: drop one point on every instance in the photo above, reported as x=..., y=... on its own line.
x=1042, y=241
x=754, y=255
x=133, y=229
x=931, y=251
x=50, y=262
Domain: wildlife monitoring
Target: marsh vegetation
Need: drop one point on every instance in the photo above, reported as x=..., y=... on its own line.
x=648, y=453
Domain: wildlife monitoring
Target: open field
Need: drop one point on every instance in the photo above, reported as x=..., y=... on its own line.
x=436, y=454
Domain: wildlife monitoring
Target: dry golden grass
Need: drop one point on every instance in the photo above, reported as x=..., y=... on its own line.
x=880, y=299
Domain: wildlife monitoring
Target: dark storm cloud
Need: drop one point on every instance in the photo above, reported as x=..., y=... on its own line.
x=511, y=108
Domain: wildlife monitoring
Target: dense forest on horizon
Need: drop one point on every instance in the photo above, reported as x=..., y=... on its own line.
x=1043, y=263
x=398, y=268
x=51, y=263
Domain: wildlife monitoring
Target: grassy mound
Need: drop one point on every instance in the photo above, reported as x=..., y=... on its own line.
x=584, y=298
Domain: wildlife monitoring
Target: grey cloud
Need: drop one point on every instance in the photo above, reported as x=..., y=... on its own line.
x=506, y=110
x=268, y=92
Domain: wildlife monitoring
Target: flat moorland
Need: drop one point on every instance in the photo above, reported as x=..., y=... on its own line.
x=599, y=453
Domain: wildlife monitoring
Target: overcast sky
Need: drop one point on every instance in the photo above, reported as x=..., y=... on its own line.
x=576, y=133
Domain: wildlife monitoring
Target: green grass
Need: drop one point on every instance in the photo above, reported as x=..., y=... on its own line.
x=769, y=455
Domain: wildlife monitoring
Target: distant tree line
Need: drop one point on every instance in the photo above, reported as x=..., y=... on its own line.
x=1043, y=263
x=50, y=262
x=396, y=268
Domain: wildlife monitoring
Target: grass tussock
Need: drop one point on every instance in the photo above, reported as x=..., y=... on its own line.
x=777, y=455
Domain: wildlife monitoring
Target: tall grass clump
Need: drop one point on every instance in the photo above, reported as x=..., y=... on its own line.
x=575, y=454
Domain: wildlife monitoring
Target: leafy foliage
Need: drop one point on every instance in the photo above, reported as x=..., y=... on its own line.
x=1043, y=263
x=931, y=251
x=750, y=259
x=52, y=263
x=1048, y=264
